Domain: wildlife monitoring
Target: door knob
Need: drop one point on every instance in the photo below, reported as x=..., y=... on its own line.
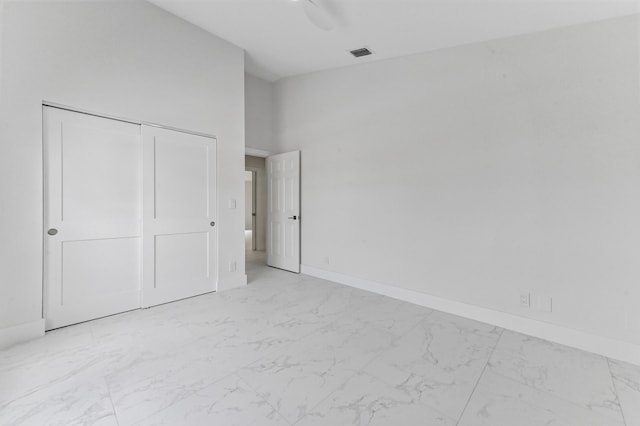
x=52, y=231
x=293, y=217
x=212, y=224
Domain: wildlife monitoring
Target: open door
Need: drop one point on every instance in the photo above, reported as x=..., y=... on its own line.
x=283, y=212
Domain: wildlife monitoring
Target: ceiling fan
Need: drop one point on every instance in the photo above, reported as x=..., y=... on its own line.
x=320, y=14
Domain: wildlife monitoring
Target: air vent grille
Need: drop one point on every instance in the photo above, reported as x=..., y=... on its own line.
x=363, y=51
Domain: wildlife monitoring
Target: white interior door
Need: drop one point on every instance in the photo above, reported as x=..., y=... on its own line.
x=283, y=213
x=254, y=210
x=179, y=235
x=92, y=217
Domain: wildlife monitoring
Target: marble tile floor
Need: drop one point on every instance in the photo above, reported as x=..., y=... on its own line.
x=294, y=350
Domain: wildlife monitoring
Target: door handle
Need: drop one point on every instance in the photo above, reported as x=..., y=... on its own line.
x=293, y=217
x=52, y=231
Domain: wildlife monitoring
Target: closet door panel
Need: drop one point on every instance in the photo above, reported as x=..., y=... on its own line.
x=180, y=243
x=92, y=217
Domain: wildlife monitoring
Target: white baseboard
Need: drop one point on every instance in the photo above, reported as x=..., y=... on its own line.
x=229, y=284
x=21, y=333
x=611, y=348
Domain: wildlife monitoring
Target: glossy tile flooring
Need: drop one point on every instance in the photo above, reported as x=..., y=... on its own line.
x=290, y=349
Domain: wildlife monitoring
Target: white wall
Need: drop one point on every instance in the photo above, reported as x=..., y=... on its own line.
x=260, y=233
x=525, y=152
x=128, y=59
x=259, y=135
x=259, y=113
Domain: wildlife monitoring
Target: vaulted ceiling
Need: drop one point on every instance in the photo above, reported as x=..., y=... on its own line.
x=281, y=41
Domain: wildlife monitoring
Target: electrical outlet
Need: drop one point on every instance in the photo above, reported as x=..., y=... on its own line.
x=541, y=303
x=546, y=304
x=232, y=204
x=232, y=266
x=525, y=300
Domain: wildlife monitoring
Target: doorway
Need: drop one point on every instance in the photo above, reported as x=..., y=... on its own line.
x=255, y=210
x=250, y=210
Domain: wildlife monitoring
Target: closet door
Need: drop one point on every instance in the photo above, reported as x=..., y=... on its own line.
x=180, y=239
x=92, y=217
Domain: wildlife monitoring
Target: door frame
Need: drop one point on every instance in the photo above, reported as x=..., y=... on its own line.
x=254, y=205
x=260, y=153
x=126, y=120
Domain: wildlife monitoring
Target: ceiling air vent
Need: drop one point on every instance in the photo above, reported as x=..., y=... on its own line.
x=361, y=52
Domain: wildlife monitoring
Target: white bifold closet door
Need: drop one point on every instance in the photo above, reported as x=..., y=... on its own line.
x=92, y=217
x=179, y=243
x=129, y=216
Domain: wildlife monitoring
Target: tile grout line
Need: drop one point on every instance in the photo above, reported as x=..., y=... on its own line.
x=615, y=390
x=383, y=352
x=113, y=406
x=282, y=350
x=221, y=378
x=262, y=398
x=480, y=377
x=340, y=386
x=330, y=393
x=94, y=343
x=317, y=330
x=327, y=397
x=551, y=395
x=361, y=369
x=191, y=394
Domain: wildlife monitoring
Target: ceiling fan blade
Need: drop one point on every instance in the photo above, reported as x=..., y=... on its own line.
x=319, y=15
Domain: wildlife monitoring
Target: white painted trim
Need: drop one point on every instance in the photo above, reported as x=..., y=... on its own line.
x=612, y=348
x=126, y=120
x=240, y=281
x=21, y=333
x=176, y=129
x=1, y=44
x=254, y=205
x=255, y=152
